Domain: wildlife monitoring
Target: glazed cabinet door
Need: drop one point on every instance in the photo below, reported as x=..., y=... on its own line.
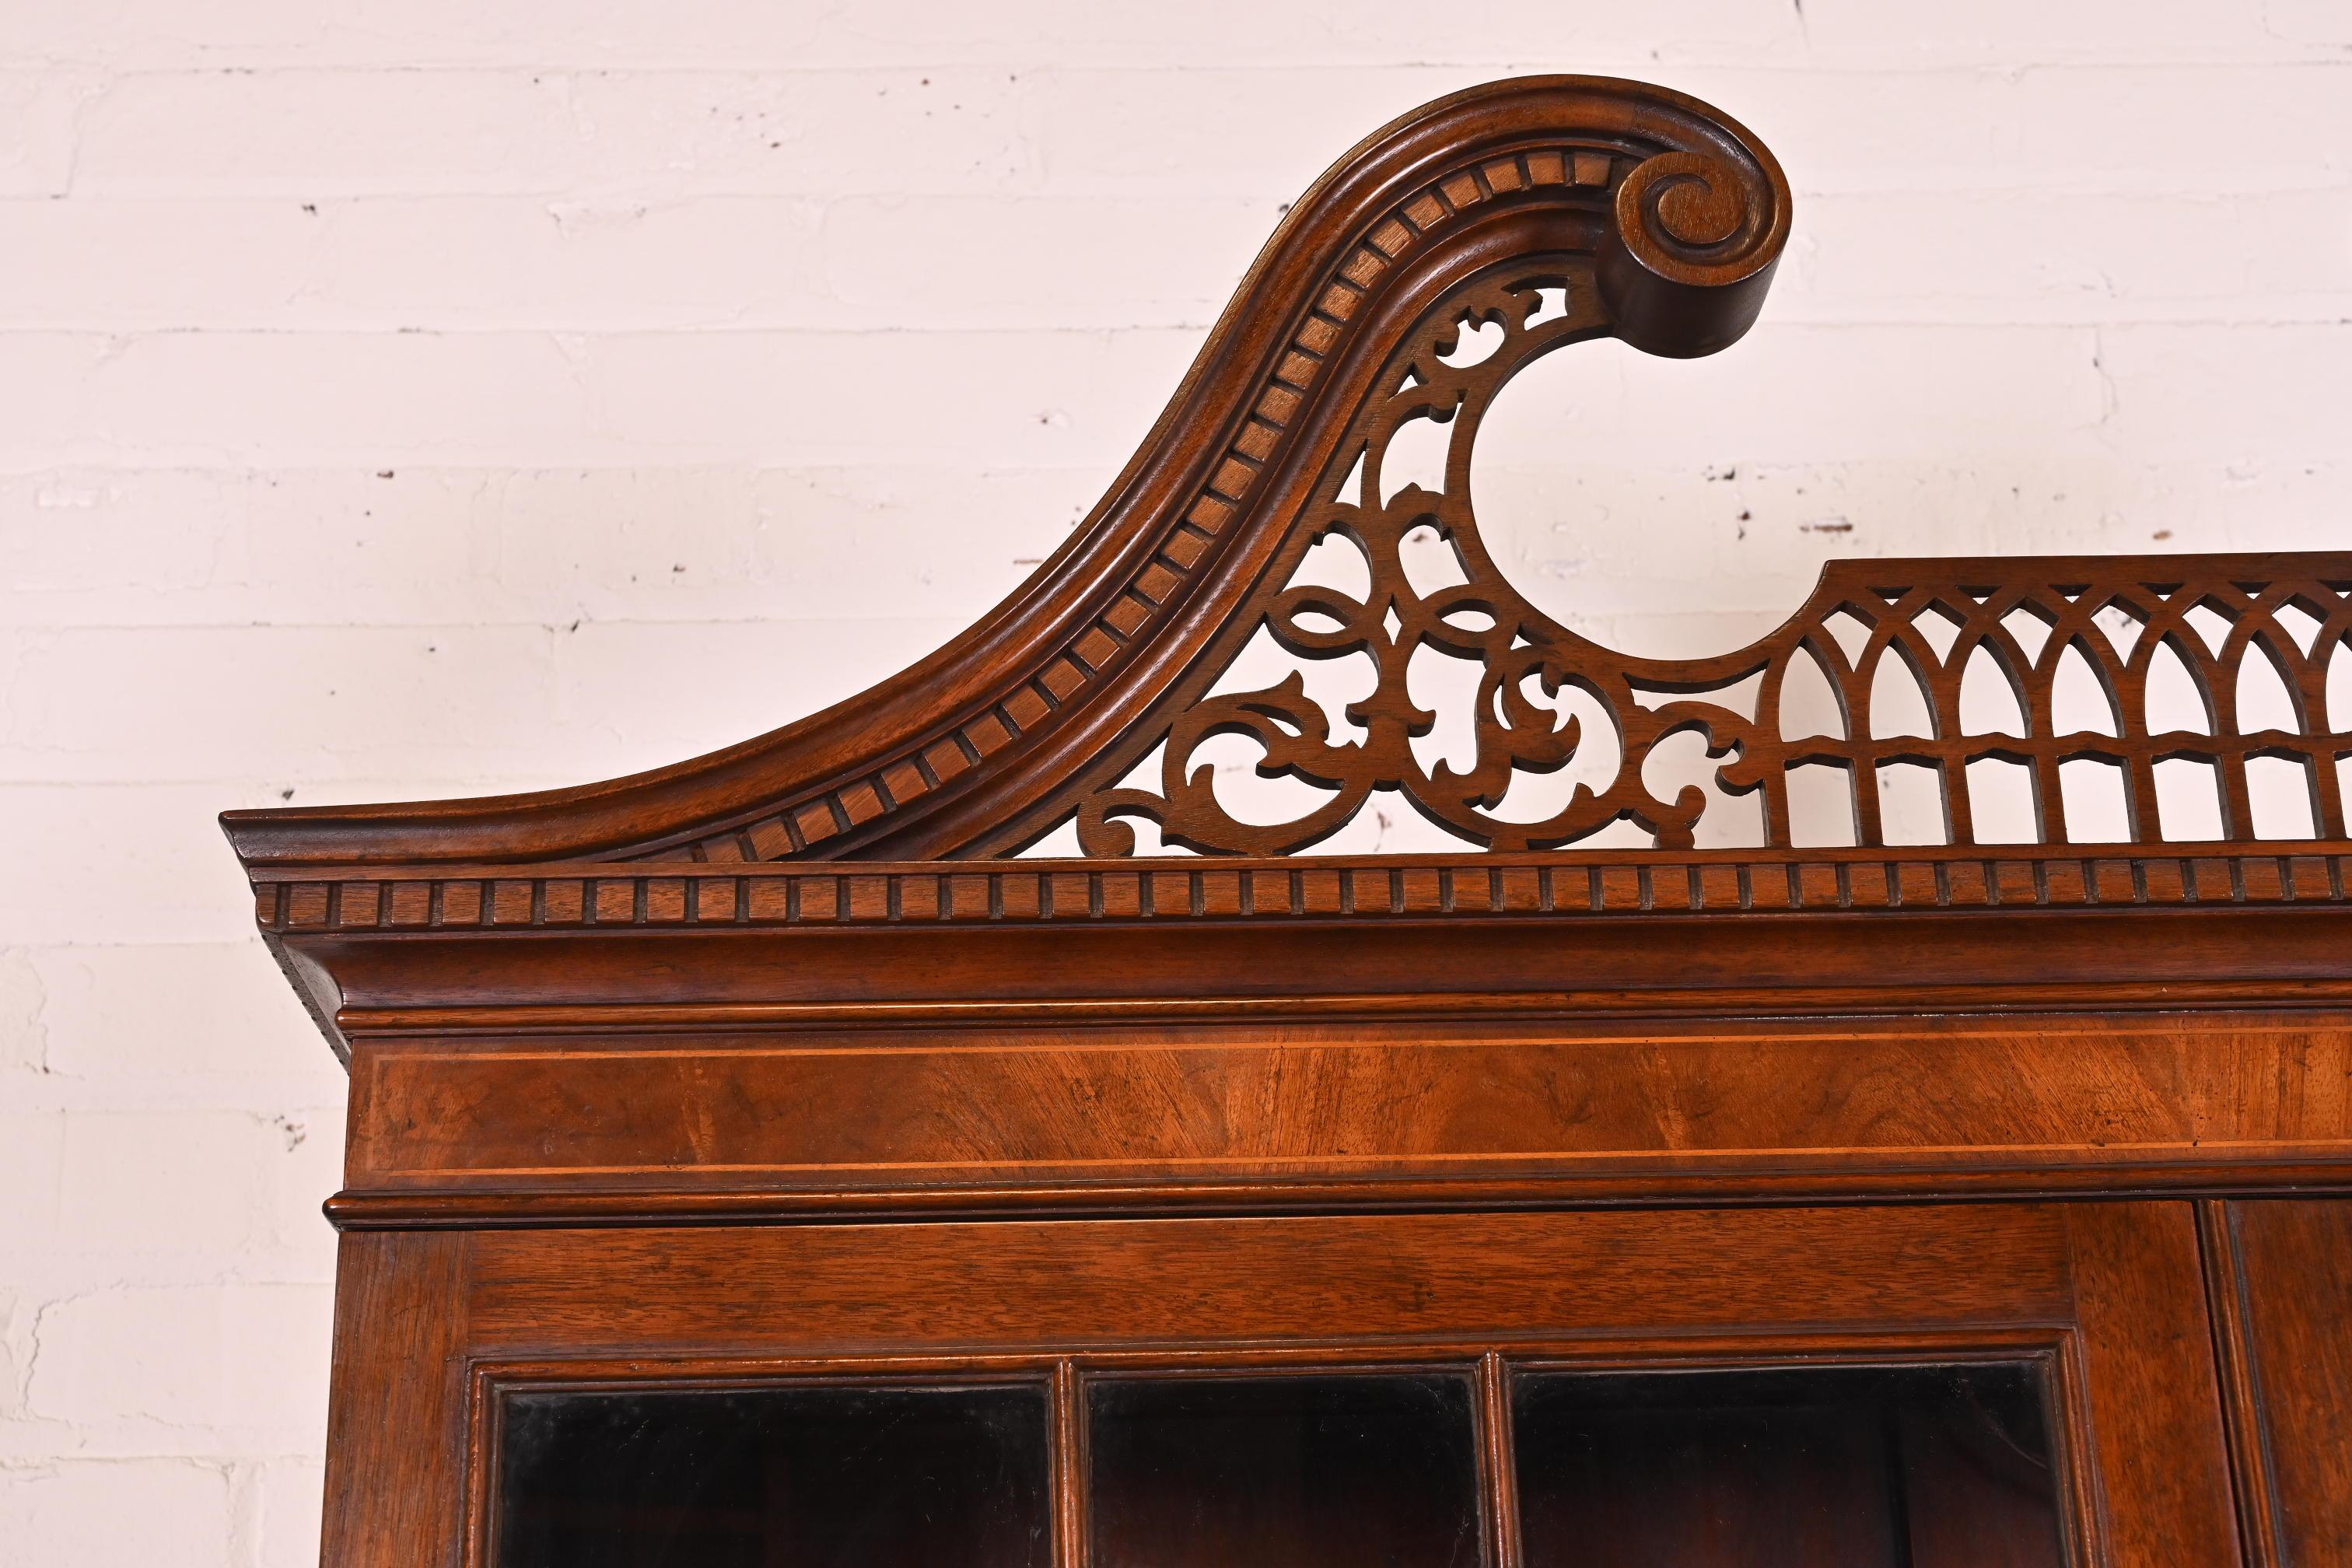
x=1960, y=1386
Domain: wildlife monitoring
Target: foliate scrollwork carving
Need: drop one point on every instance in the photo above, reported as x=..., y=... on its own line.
x=1936, y=674
x=976, y=752
x=1480, y=619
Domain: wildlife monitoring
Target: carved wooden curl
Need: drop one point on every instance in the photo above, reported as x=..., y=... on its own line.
x=1683, y=269
x=1660, y=220
x=968, y=754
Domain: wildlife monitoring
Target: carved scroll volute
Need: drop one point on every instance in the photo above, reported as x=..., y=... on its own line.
x=1670, y=213
x=1685, y=266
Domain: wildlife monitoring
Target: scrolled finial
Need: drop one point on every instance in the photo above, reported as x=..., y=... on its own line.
x=1692, y=252
x=1686, y=202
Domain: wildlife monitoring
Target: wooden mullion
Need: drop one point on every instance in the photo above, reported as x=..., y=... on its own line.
x=1869, y=827
x=2326, y=793
x=2237, y=800
x=1068, y=1467
x=1497, y=1467
x=2049, y=798
x=1959, y=811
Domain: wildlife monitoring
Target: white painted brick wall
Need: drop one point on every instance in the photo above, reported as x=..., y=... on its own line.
x=402, y=397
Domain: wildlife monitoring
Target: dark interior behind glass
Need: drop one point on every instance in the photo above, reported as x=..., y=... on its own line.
x=1906, y=1467
x=809, y=1477
x=1935, y=1467
x=1299, y=1472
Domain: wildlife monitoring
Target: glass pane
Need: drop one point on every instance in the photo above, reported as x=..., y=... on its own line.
x=1945, y=1466
x=1351, y=1471
x=774, y=1477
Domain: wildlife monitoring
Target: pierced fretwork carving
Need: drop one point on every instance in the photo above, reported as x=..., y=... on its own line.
x=1267, y=517
x=1952, y=701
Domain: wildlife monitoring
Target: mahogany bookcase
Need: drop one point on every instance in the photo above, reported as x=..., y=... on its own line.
x=958, y=1128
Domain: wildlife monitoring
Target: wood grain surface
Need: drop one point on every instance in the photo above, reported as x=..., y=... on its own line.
x=2288, y=1265
x=1739, y=1109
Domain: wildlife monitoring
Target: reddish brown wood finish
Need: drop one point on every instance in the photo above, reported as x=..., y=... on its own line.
x=2139, y=1412
x=1654, y=219
x=2137, y=1265
x=930, y=1120
x=771, y=1064
x=398, y=1426
x=920, y=763
x=2283, y=1272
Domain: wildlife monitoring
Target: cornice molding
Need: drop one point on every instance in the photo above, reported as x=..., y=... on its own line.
x=493, y=900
